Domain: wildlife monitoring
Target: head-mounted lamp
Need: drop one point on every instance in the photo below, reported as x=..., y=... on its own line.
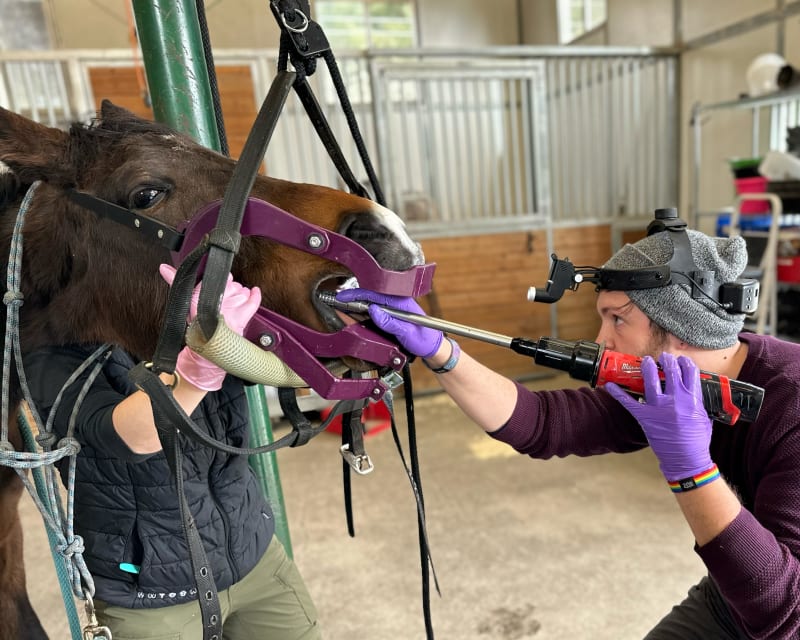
x=740, y=296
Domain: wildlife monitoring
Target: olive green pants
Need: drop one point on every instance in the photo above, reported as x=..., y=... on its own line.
x=269, y=603
x=703, y=615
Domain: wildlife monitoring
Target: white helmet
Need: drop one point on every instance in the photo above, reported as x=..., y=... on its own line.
x=762, y=74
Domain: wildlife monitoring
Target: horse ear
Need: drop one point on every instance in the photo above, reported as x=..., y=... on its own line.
x=33, y=151
x=110, y=113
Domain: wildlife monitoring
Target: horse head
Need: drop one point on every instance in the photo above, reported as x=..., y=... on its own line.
x=88, y=279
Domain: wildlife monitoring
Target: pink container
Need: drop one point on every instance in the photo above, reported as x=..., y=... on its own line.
x=752, y=185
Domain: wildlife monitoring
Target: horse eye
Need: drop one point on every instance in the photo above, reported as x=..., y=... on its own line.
x=146, y=198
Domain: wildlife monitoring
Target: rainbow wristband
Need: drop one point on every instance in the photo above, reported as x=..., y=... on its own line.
x=693, y=482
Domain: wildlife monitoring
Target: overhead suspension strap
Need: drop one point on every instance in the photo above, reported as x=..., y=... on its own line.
x=212, y=77
x=302, y=42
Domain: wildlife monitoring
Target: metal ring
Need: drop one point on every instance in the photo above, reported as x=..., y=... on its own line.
x=302, y=27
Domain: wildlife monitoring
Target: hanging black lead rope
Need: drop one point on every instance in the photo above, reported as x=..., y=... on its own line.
x=302, y=42
x=412, y=470
x=212, y=77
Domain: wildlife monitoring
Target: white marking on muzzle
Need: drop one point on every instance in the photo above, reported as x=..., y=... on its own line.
x=395, y=224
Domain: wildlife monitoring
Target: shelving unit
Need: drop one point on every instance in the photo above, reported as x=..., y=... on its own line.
x=765, y=319
x=770, y=117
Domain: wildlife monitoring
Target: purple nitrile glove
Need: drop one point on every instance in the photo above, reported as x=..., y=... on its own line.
x=674, y=420
x=239, y=304
x=421, y=341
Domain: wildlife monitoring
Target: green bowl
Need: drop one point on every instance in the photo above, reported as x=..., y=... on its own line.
x=744, y=163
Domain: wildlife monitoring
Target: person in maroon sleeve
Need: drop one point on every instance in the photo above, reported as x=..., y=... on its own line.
x=738, y=487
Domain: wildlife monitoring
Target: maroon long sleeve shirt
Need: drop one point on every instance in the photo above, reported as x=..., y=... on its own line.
x=755, y=561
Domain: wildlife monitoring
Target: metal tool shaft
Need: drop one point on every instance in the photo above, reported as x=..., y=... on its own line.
x=422, y=320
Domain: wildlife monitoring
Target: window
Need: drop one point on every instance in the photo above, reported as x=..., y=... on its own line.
x=23, y=25
x=576, y=17
x=367, y=24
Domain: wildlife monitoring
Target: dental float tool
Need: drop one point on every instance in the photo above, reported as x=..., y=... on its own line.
x=359, y=306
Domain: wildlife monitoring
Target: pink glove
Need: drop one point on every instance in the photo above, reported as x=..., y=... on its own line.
x=421, y=341
x=239, y=305
x=674, y=420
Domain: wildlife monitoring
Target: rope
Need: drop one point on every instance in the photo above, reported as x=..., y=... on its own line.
x=61, y=571
x=212, y=77
x=44, y=489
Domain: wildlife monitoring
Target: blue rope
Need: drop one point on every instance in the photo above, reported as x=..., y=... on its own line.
x=66, y=547
x=58, y=560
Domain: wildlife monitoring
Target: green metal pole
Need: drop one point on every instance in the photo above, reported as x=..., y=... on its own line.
x=265, y=465
x=172, y=51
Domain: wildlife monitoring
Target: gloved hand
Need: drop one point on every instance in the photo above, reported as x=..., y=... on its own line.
x=421, y=341
x=239, y=304
x=674, y=420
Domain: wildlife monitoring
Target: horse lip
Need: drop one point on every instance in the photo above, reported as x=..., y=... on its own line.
x=333, y=321
x=327, y=314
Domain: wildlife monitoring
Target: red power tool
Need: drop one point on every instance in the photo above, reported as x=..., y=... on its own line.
x=725, y=400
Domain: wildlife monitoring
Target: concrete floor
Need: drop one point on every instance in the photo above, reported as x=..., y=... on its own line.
x=569, y=548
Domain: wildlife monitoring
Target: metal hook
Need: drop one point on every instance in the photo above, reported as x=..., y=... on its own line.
x=93, y=630
x=361, y=463
x=299, y=29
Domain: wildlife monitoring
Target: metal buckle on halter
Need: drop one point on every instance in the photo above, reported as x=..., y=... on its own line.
x=392, y=380
x=361, y=464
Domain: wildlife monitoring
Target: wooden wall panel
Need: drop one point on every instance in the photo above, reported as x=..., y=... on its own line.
x=122, y=86
x=633, y=236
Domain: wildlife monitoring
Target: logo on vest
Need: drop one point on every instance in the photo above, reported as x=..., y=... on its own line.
x=161, y=595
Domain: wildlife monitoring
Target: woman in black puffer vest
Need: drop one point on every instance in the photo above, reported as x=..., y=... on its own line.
x=126, y=506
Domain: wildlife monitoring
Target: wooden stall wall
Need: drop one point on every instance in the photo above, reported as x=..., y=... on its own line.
x=482, y=281
x=633, y=236
x=125, y=86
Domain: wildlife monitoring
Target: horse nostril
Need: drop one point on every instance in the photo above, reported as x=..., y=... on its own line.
x=383, y=235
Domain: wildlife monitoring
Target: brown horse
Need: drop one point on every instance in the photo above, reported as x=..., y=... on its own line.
x=91, y=280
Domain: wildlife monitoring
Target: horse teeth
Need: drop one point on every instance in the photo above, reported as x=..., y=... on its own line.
x=350, y=283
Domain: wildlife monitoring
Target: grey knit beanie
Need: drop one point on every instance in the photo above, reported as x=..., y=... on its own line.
x=699, y=322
